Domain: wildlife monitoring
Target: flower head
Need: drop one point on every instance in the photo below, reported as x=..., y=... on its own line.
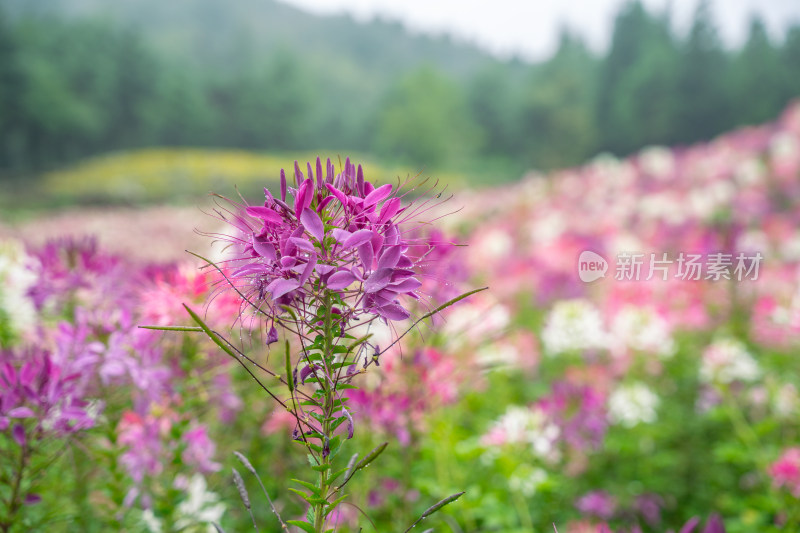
x=331, y=233
x=785, y=472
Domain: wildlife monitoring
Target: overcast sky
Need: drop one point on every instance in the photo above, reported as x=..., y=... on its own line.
x=529, y=28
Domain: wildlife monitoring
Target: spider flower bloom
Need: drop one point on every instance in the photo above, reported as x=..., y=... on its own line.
x=33, y=387
x=785, y=472
x=329, y=234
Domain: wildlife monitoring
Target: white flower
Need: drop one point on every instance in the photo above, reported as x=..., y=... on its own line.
x=526, y=479
x=525, y=425
x=547, y=228
x=497, y=243
x=498, y=354
x=657, y=161
x=16, y=278
x=751, y=171
x=785, y=401
x=726, y=361
x=200, y=507
x=643, y=330
x=151, y=522
x=573, y=325
x=632, y=404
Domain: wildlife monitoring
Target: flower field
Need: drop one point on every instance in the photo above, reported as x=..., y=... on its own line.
x=660, y=393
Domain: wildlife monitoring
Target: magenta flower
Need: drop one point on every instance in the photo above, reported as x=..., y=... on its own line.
x=714, y=525
x=200, y=449
x=785, y=472
x=340, y=233
x=38, y=389
x=579, y=412
x=597, y=503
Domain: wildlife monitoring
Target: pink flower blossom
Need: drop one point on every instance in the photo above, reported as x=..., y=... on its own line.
x=785, y=471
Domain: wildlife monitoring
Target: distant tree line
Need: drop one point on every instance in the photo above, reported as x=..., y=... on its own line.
x=71, y=88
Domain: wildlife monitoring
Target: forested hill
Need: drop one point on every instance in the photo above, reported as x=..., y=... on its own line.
x=85, y=77
x=229, y=35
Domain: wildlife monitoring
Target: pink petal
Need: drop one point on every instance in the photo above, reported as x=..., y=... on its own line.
x=264, y=213
x=337, y=193
x=312, y=261
x=19, y=434
x=378, y=280
x=358, y=238
x=21, y=412
x=280, y=286
x=367, y=255
x=407, y=285
x=265, y=250
x=393, y=312
x=340, y=234
x=324, y=269
x=389, y=257
x=377, y=195
x=313, y=224
x=340, y=280
x=303, y=244
x=389, y=209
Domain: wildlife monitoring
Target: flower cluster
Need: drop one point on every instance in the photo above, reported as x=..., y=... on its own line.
x=33, y=387
x=338, y=232
x=785, y=471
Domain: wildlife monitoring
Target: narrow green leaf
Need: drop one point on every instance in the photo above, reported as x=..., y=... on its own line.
x=336, y=474
x=173, y=328
x=332, y=505
x=310, y=486
x=300, y=493
x=305, y=526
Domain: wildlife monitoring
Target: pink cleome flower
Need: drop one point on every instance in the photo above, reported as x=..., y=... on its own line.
x=785, y=472
x=341, y=233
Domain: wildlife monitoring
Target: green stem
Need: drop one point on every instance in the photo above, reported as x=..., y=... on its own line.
x=13, y=502
x=327, y=412
x=524, y=514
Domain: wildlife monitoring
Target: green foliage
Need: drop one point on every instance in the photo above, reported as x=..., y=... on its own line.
x=83, y=78
x=425, y=119
x=703, y=81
